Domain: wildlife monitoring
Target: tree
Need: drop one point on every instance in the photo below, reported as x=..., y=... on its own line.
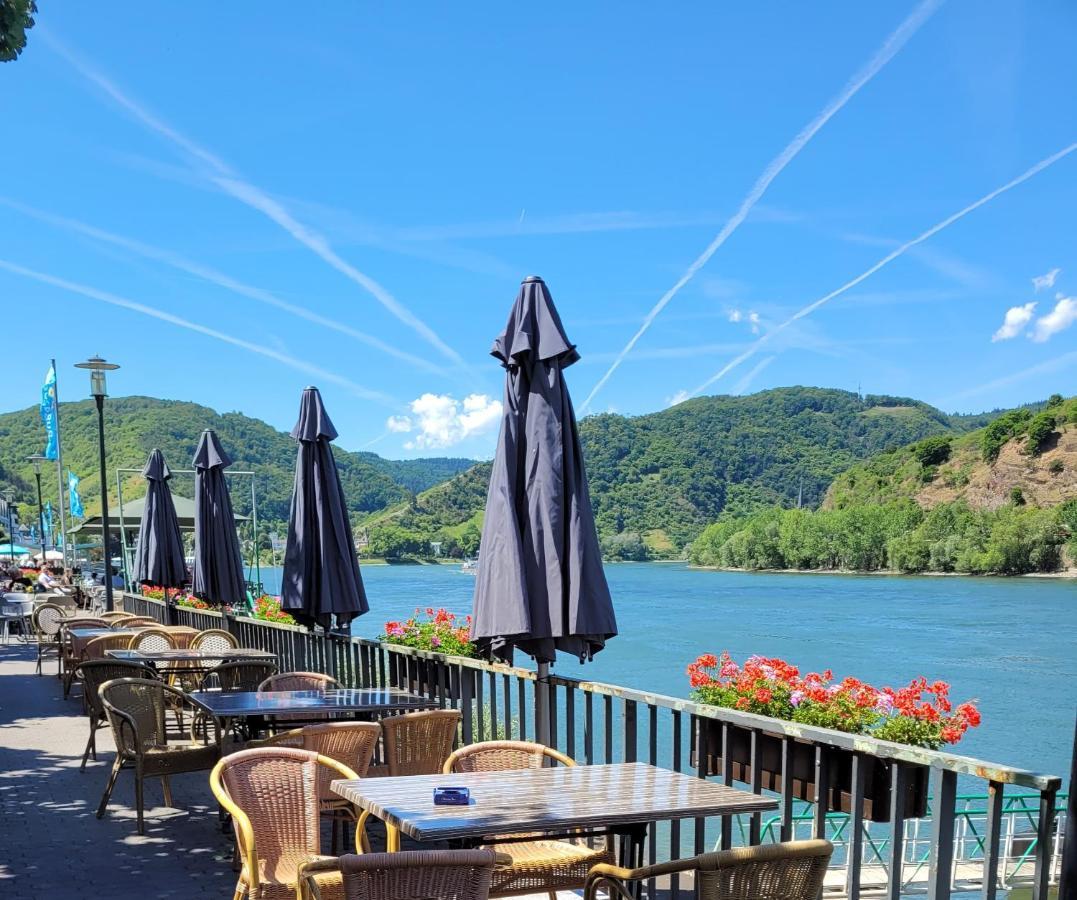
x=932, y=451
x=1040, y=430
x=16, y=18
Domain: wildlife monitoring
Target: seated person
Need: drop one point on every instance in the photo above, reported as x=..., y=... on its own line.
x=117, y=580
x=45, y=581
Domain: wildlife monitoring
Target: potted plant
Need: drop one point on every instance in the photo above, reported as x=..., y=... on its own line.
x=919, y=714
x=438, y=630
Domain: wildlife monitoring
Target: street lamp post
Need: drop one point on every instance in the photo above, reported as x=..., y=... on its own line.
x=9, y=495
x=98, y=367
x=37, y=459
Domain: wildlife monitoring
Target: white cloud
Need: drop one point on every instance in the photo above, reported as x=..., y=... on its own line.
x=754, y=319
x=735, y=315
x=1045, y=282
x=1058, y=319
x=1017, y=317
x=441, y=420
x=398, y=424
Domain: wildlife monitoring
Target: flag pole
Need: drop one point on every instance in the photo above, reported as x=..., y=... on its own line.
x=60, y=465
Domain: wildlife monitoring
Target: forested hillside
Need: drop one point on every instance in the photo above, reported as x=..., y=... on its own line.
x=657, y=480
x=999, y=500
x=135, y=425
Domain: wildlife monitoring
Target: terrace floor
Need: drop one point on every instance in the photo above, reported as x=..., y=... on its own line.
x=51, y=843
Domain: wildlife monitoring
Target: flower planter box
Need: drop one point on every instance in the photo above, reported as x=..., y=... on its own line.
x=802, y=758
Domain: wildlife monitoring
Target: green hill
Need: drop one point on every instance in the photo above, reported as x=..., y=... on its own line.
x=1000, y=500
x=135, y=425
x=656, y=480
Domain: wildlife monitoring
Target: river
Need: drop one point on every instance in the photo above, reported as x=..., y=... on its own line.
x=1009, y=643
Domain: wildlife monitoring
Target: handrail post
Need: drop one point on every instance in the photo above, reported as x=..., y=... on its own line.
x=942, y=844
x=1044, y=838
x=1067, y=882
x=542, y=704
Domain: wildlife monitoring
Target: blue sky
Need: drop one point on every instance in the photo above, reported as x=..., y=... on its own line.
x=233, y=204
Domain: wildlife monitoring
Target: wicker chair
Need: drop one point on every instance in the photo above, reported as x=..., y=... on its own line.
x=98, y=647
x=539, y=864
x=237, y=676
x=152, y=639
x=46, y=620
x=350, y=743
x=412, y=875
x=134, y=622
x=791, y=871
x=117, y=614
x=136, y=709
x=94, y=673
x=417, y=743
x=272, y=795
x=68, y=660
x=299, y=681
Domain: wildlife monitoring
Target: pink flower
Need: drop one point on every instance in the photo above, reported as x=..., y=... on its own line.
x=796, y=698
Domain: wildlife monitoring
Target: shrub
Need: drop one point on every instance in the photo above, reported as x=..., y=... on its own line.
x=1056, y=467
x=1005, y=427
x=1040, y=430
x=932, y=451
x=1017, y=496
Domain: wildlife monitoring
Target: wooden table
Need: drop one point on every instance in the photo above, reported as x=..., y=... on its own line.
x=620, y=799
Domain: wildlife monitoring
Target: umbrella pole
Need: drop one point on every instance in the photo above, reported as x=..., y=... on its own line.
x=542, y=704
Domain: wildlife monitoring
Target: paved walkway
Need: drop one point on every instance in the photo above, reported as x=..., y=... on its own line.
x=51, y=844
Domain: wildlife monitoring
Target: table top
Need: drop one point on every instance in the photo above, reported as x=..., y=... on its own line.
x=182, y=654
x=553, y=799
x=237, y=704
x=92, y=631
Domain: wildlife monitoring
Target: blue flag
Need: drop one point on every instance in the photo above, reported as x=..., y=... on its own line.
x=74, y=500
x=49, y=414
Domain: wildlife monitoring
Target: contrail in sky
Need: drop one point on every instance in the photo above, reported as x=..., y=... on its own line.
x=213, y=276
x=743, y=384
x=222, y=175
x=883, y=55
x=122, y=302
x=886, y=260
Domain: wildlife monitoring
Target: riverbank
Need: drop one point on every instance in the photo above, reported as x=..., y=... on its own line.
x=1070, y=573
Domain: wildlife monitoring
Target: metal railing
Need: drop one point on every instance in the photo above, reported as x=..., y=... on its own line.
x=858, y=777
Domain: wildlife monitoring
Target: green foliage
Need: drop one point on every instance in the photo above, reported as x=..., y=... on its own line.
x=1007, y=426
x=135, y=425
x=627, y=546
x=16, y=18
x=1056, y=467
x=932, y=451
x=391, y=541
x=1017, y=496
x=1040, y=430
x=1011, y=540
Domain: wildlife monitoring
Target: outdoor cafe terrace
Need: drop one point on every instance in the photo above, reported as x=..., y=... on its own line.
x=911, y=833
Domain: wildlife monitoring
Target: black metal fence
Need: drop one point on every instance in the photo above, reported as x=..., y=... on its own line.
x=847, y=781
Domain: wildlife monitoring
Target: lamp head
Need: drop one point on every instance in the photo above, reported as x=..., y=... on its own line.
x=97, y=367
x=37, y=459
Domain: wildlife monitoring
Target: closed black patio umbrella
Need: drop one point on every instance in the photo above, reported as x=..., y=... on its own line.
x=218, y=564
x=321, y=571
x=540, y=585
x=159, y=551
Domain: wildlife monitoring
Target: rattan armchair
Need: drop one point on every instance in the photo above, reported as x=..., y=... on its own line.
x=272, y=795
x=790, y=871
x=134, y=622
x=46, y=621
x=299, y=681
x=350, y=743
x=152, y=639
x=136, y=709
x=116, y=614
x=537, y=864
x=98, y=647
x=241, y=675
x=417, y=743
x=412, y=875
x=68, y=659
x=94, y=673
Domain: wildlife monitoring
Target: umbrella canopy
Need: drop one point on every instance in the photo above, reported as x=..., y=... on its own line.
x=321, y=572
x=540, y=584
x=53, y=555
x=159, y=552
x=218, y=565
x=17, y=550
